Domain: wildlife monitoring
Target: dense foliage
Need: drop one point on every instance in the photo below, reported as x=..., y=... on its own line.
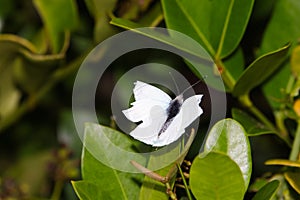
x=253, y=153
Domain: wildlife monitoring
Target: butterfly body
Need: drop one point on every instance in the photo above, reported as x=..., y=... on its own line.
x=172, y=111
x=163, y=120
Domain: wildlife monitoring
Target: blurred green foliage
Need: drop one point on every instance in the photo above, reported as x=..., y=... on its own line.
x=254, y=45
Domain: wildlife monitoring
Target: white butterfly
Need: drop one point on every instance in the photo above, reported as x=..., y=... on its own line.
x=163, y=120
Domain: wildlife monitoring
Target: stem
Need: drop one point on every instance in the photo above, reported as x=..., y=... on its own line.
x=226, y=76
x=246, y=101
x=279, y=118
x=184, y=182
x=57, y=190
x=296, y=145
x=171, y=194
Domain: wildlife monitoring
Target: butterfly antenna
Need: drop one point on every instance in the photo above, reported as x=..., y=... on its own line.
x=174, y=82
x=199, y=81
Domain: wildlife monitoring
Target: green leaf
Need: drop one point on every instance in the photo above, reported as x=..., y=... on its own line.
x=19, y=62
x=235, y=63
x=284, y=162
x=285, y=12
x=58, y=16
x=267, y=191
x=153, y=17
x=251, y=125
x=293, y=178
x=229, y=137
x=27, y=62
x=87, y=191
x=205, y=66
x=217, y=25
x=112, y=183
x=100, y=10
x=152, y=189
x=277, y=34
x=216, y=176
x=6, y=7
x=173, y=40
x=9, y=94
x=261, y=69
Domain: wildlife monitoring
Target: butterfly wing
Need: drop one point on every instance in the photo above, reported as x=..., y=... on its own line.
x=190, y=110
x=148, y=133
x=149, y=107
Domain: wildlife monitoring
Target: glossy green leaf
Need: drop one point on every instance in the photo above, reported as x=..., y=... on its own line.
x=113, y=184
x=293, y=178
x=267, y=192
x=173, y=40
x=229, y=137
x=205, y=66
x=216, y=177
x=283, y=191
x=277, y=34
x=87, y=191
x=58, y=16
x=100, y=10
x=261, y=69
x=251, y=125
x=217, y=25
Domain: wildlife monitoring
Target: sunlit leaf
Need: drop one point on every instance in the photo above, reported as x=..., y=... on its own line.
x=216, y=176
x=283, y=162
x=229, y=137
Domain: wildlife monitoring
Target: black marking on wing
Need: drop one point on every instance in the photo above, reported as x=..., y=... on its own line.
x=172, y=111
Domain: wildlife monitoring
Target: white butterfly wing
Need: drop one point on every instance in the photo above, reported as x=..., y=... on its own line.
x=146, y=97
x=148, y=133
x=149, y=107
x=190, y=110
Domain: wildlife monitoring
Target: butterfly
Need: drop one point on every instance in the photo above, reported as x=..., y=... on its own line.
x=163, y=120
